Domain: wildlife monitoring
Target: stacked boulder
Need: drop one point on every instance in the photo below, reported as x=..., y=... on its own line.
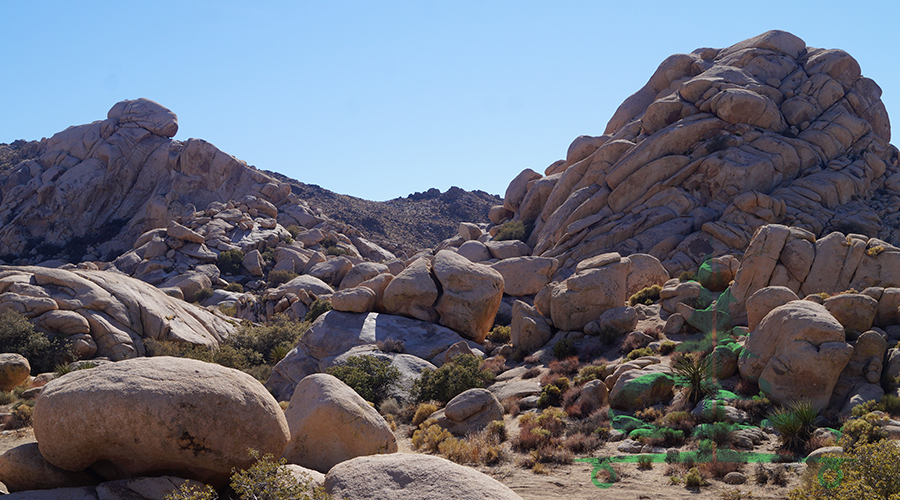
x=718, y=143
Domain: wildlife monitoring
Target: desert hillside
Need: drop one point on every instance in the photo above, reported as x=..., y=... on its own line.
x=702, y=302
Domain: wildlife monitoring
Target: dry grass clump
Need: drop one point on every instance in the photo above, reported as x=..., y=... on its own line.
x=537, y=431
x=482, y=447
x=423, y=411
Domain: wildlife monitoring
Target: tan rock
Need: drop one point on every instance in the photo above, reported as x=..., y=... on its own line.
x=797, y=352
x=411, y=476
x=356, y=300
x=413, y=292
x=471, y=295
x=157, y=417
x=330, y=424
x=646, y=270
x=517, y=189
x=529, y=329
x=525, y=275
x=362, y=272
x=14, y=370
x=23, y=468
x=470, y=411
x=176, y=230
x=253, y=263
x=764, y=300
x=854, y=311
x=584, y=297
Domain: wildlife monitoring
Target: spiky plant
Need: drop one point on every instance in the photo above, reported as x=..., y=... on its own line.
x=694, y=373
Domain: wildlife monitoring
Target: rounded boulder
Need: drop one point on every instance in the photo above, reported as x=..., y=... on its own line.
x=330, y=423
x=14, y=369
x=146, y=416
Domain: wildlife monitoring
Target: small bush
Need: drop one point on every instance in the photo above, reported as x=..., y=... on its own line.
x=536, y=430
x=203, y=294
x=270, y=479
x=640, y=353
x=22, y=412
x=694, y=373
x=391, y=345
x=667, y=347
x=268, y=255
x=294, y=230
x=862, y=430
x=582, y=443
x=795, y=424
x=511, y=230
x=680, y=420
x=44, y=353
x=649, y=414
x=7, y=397
x=229, y=261
x=564, y=348
x=460, y=374
x=499, y=335
x=235, y=287
x=318, y=308
x=718, y=432
x=646, y=296
x=694, y=479
x=532, y=372
x=870, y=470
x=686, y=276
x=266, y=340
x=370, y=377
x=429, y=436
x=590, y=372
x=336, y=250
x=280, y=277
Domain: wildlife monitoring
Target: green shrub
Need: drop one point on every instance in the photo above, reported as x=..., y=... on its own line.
x=268, y=255
x=280, y=277
x=235, y=287
x=229, y=261
x=512, y=230
x=870, y=471
x=646, y=296
x=266, y=341
x=499, y=335
x=694, y=373
x=564, y=348
x=667, y=347
x=717, y=432
x=203, y=294
x=460, y=374
x=7, y=397
x=370, y=377
x=693, y=479
x=318, y=308
x=640, y=353
x=862, y=430
x=590, y=372
x=336, y=250
x=795, y=424
x=44, y=353
x=686, y=276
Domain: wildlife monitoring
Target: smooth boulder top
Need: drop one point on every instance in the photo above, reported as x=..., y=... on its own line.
x=411, y=476
x=146, y=416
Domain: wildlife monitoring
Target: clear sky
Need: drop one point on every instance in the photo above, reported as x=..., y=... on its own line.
x=379, y=99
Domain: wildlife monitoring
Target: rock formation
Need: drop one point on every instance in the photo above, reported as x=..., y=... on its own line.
x=716, y=144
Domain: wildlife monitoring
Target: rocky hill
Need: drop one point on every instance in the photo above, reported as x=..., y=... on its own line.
x=417, y=221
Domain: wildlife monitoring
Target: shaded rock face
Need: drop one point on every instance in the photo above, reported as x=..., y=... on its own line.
x=716, y=144
x=109, y=311
x=151, y=415
x=103, y=184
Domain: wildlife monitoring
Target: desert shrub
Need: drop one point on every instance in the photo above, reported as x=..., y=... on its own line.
x=266, y=340
x=268, y=255
x=564, y=348
x=7, y=397
x=550, y=396
x=512, y=230
x=460, y=374
x=717, y=432
x=532, y=372
x=779, y=475
x=757, y=407
x=694, y=373
x=497, y=428
x=480, y=447
x=694, y=479
x=336, y=250
x=863, y=430
x=44, y=353
x=582, y=443
x=645, y=462
x=795, y=424
x=389, y=406
x=235, y=287
x=650, y=414
x=391, y=345
x=667, y=347
x=686, y=276
x=565, y=366
x=203, y=294
x=499, y=335
x=280, y=277
x=294, y=230
x=22, y=413
x=536, y=431
x=370, y=377
x=665, y=437
x=639, y=353
x=270, y=479
x=429, y=436
x=317, y=308
x=870, y=470
x=588, y=373
x=646, y=296
x=680, y=420
x=423, y=411
x=229, y=261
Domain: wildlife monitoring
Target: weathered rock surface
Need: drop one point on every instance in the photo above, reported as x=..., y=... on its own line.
x=23, y=468
x=470, y=295
x=469, y=411
x=797, y=352
x=14, y=369
x=330, y=423
x=159, y=414
x=119, y=311
x=718, y=143
x=411, y=476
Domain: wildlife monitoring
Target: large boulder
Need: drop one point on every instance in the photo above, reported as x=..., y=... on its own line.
x=585, y=296
x=637, y=389
x=149, y=415
x=469, y=411
x=413, y=292
x=764, y=300
x=411, y=476
x=330, y=423
x=797, y=352
x=525, y=275
x=335, y=333
x=14, y=369
x=529, y=329
x=471, y=295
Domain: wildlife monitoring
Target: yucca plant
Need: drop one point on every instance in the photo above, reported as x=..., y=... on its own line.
x=694, y=373
x=794, y=423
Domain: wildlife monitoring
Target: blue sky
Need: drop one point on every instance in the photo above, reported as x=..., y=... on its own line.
x=381, y=99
